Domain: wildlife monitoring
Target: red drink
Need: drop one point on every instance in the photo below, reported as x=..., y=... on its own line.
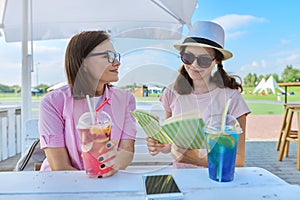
x=95, y=141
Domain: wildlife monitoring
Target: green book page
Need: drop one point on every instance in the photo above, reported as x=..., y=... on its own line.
x=186, y=130
x=186, y=133
x=151, y=126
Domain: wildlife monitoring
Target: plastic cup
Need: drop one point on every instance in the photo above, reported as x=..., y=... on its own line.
x=222, y=145
x=95, y=141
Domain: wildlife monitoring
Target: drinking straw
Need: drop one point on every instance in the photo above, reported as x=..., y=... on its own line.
x=223, y=123
x=102, y=104
x=224, y=114
x=90, y=108
x=220, y=165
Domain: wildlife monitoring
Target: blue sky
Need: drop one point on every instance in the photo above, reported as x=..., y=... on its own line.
x=262, y=34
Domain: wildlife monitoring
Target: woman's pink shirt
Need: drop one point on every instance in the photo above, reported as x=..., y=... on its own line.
x=59, y=114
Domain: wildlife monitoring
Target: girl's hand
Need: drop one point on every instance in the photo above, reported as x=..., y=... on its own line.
x=154, y=146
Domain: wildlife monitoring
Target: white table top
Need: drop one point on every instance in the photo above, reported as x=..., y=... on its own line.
x=249, y=183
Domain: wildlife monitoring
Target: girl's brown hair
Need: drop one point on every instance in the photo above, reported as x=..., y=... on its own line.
x=184, y=83
x=77, y=50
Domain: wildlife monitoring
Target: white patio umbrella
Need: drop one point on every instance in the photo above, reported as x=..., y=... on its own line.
x=25, y=20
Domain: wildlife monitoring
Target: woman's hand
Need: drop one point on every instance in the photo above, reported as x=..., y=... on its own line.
x=109, y=160
x=154, y=146
x=119, y=158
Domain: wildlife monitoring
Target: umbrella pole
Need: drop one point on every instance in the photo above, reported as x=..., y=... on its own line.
x=26, y=76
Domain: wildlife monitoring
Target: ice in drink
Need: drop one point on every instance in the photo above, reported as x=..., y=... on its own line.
x=95, y=141
x=222, y=147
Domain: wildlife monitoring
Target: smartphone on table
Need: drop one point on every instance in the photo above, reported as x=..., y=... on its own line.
x=161, y=187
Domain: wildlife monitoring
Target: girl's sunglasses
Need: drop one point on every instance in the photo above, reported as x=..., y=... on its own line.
x=202, y=61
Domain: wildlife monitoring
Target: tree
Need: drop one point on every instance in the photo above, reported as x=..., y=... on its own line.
x=260, y=78
x=16, y=88
x=290, y=74
x=42, y=87
x=253, y=80
x=250, y=80
x=276, y=77
x=247, y=80
x=6, y=89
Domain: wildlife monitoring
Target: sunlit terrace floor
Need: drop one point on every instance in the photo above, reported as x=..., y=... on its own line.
x=263, y=154
x=262, y=133
x=258, y=153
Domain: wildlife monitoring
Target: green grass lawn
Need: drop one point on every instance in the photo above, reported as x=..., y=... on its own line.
x=255, y=107
x=273, y=97
x=5, y=97
x=265, y=108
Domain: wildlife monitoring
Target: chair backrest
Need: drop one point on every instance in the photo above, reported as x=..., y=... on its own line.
x=32, y=158
x=31, y=127
x=33, y=155
x=31, y=132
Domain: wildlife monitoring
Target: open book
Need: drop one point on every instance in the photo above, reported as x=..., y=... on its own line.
x=186, y=130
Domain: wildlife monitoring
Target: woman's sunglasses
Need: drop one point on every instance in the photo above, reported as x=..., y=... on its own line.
x=202, y=61
x=111, y=56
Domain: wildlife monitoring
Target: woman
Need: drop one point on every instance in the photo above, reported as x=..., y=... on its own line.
x=91, y=63
x=200, y=87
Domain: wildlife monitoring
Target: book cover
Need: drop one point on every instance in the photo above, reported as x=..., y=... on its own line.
x=186, y=130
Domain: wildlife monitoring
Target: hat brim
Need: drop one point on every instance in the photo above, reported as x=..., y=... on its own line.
x=227, y=54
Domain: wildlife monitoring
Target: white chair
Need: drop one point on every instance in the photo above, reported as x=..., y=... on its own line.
x=33, y=155
x=31, y=132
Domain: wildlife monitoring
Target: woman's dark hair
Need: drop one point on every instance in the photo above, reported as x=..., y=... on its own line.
x=184, y=83
x=79, y=79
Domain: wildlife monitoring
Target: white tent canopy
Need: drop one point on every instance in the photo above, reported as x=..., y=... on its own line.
x=261, y=86
x=56, y=19
x=25, y=20
x=269, y=85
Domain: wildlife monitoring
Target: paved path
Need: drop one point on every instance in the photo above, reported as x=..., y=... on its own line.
x=263, y=154
x=261, y=139
x=263, y=127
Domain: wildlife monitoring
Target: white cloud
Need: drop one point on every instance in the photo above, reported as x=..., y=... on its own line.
x=287, y=57
x=263, y=63
x=149, y=73
x=284, y=42
x=258, y=67
x=47, y=49
x=235, y=34
x=285, y=53
x=254, y=64
x=276, y=65
x=235, y=21
x=10, y=73
x=50, y=72
x=291, y=59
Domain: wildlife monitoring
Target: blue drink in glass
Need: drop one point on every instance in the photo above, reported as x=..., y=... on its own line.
x=221, y=147
x=222, y=155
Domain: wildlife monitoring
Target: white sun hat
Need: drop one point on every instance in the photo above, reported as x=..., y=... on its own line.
x=206, y=34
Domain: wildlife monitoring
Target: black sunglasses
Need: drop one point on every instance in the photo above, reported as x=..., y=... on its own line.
x=202, y=61
x=111, y=56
